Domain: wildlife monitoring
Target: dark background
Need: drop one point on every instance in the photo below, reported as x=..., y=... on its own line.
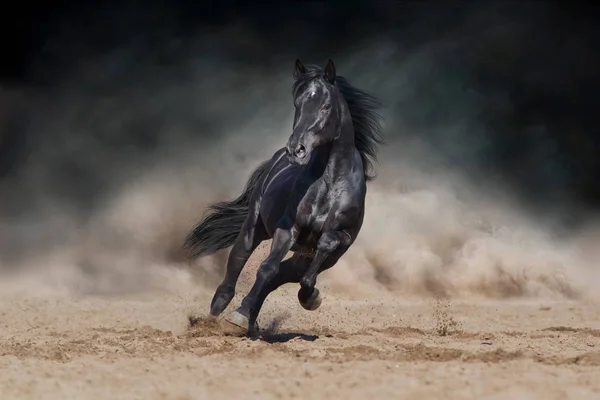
x=542, y=57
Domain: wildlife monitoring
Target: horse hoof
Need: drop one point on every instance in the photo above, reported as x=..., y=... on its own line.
x=313, y=302
x=235, y=324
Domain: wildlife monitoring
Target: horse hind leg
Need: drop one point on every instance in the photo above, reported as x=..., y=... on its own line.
x=290, y=271
x=251, y=235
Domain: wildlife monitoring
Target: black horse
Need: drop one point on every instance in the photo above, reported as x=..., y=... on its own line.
x=309, y=197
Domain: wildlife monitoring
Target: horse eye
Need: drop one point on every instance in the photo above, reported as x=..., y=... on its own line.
x=327, y=106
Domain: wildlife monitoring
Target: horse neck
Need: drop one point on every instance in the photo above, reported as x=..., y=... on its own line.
x=341, y=153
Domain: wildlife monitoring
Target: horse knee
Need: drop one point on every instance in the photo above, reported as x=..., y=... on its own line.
x=266, y=271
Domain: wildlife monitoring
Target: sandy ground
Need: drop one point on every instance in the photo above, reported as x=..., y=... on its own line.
x=58, y=345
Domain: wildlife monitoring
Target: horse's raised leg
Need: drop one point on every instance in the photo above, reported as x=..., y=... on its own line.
x=332, y=245
x=251, y=235
x=238, y=321
x=290, y=271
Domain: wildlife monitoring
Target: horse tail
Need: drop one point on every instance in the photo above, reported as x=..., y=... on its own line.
x=222, y=222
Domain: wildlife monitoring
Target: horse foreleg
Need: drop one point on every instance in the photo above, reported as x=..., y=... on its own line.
x=251, y=235
x=290, y=271
x=239, y=321
x=331, y=246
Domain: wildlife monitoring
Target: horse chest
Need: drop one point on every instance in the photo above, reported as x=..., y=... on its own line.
x=315, y=216
x=319, y=209
x=310, y=226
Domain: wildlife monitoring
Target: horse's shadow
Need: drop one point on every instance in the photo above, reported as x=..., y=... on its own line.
x=272, y=337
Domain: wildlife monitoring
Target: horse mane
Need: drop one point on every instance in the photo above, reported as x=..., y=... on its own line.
x=363, y=106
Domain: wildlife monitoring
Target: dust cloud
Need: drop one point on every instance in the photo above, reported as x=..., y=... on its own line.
x=93, y=214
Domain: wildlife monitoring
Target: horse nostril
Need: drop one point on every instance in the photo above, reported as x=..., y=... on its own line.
x=300, y=151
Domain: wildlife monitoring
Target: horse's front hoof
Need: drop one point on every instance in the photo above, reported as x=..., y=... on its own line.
x=313, y=302
x=235, y=324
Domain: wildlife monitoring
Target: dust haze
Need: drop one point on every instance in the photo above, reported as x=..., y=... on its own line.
x=127, y=153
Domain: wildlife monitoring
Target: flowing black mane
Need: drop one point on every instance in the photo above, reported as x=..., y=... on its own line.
x=363, y=106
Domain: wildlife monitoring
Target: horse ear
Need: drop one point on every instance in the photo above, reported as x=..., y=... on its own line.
x=330, y=71
x=299, y=69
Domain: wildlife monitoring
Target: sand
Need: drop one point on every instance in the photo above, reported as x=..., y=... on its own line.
x=57, y=344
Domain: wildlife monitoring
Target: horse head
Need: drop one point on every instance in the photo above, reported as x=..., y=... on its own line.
x=318, y=111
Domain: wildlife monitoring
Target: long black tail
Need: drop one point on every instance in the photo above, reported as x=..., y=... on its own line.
x=222, y=221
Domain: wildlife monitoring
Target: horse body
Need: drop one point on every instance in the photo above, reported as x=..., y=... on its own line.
x=308, y=198
x=316, y=201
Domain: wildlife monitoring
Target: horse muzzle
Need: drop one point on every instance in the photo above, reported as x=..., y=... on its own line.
x=298, y=155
